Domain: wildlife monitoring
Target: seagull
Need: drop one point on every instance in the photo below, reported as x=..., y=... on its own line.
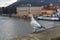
x=36, y=26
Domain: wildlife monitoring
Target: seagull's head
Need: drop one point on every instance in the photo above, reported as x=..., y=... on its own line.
x=30, y=15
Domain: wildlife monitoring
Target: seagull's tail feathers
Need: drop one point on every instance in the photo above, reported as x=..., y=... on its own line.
x=43, y=27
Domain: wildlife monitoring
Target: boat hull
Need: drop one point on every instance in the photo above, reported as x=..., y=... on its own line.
x=48, y=18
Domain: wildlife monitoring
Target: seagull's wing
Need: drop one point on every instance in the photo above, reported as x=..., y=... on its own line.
x=35, y=24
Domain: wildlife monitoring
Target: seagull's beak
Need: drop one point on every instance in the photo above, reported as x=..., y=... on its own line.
x=29, y=17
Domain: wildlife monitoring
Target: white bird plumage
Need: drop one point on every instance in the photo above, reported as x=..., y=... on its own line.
x=36, y=26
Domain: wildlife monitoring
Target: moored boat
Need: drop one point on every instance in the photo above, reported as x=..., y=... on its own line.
x=48, y=18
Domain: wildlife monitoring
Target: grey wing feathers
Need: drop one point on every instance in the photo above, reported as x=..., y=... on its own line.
x=35, y=24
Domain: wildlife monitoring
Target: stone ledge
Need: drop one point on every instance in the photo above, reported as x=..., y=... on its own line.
x=44, y=35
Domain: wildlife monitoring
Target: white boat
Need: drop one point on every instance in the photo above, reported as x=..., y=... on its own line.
x=48, y=18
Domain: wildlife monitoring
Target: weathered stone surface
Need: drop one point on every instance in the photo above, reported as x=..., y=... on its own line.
x=44, y=35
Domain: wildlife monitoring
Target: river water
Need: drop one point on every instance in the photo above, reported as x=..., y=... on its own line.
x=15, y=27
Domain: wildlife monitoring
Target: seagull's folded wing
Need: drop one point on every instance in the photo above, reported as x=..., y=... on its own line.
x=35, y=24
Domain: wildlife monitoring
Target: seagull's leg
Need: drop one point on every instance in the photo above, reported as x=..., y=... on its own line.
x=34, y=30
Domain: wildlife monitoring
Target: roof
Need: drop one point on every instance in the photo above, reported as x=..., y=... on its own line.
x=35, y=2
